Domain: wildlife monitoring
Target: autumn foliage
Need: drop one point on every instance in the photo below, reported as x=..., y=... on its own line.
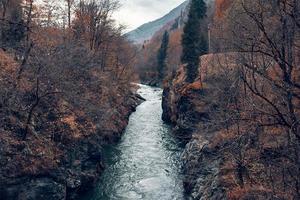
x=241, y=115
x=62, y=89
x=221, y=7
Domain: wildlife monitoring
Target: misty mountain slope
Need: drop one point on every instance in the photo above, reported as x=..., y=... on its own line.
x=146, y=31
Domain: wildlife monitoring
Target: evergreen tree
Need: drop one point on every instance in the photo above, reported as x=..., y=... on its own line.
x=193, y=41
x=162, y=56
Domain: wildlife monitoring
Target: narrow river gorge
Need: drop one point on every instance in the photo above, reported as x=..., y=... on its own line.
x=145, y=164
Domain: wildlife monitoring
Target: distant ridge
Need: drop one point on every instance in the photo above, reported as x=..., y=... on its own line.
x=146, y=31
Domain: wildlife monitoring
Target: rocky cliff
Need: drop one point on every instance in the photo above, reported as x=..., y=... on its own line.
x=225, y=157
x=183, y=107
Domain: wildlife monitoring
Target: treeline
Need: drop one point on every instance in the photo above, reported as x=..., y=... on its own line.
x=65, y=74
x=179, y=42
x=159, y=57
x=62, y=51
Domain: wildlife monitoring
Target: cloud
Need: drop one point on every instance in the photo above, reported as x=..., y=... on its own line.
x=134, y=13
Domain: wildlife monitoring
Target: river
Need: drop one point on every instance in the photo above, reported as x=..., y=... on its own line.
x=145, y=164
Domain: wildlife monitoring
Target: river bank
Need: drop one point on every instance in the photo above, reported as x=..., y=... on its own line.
x=228, y=154
x=59, y=165
x=183, y=108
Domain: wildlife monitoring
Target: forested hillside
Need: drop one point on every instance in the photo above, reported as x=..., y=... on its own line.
x=147, y=58
x=227, y=73
x=240, y=114
x=147, y=31
x=65, y=91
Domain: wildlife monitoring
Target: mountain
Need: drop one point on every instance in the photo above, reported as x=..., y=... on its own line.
x=146, y=31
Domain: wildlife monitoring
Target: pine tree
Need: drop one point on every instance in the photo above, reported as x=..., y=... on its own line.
x=162, y=56
x=193, y=42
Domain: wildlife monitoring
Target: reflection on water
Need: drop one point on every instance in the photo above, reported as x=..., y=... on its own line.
x=145, y=164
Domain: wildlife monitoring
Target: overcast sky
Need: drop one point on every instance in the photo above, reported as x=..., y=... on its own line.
x=134, y=13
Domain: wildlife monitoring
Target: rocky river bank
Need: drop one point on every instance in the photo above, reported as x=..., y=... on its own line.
x=184, y=109
x=224, y=158
x=191, y=109
x=60, y=166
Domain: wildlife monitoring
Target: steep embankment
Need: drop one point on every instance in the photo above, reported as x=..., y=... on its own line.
x=62, y=154
x=185, y=108
x=227, y=156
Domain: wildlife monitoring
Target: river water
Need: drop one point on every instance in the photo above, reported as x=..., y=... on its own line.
x=146, y=163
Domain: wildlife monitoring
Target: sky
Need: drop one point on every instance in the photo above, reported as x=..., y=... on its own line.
x=134, y=13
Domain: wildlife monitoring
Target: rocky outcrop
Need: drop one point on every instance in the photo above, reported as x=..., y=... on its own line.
x=181, y=105
x=34, y=188
x=228, y=155
x=201, y=170
x=58, y=168
x=184, y=107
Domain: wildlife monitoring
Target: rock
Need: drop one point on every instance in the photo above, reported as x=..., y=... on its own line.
x=201, y=170
x=166, y=105
x=41, y=188
x=183, y=108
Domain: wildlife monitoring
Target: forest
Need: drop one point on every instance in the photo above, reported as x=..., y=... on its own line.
x=229, y=74
x=240, y=101
x=65, y=79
